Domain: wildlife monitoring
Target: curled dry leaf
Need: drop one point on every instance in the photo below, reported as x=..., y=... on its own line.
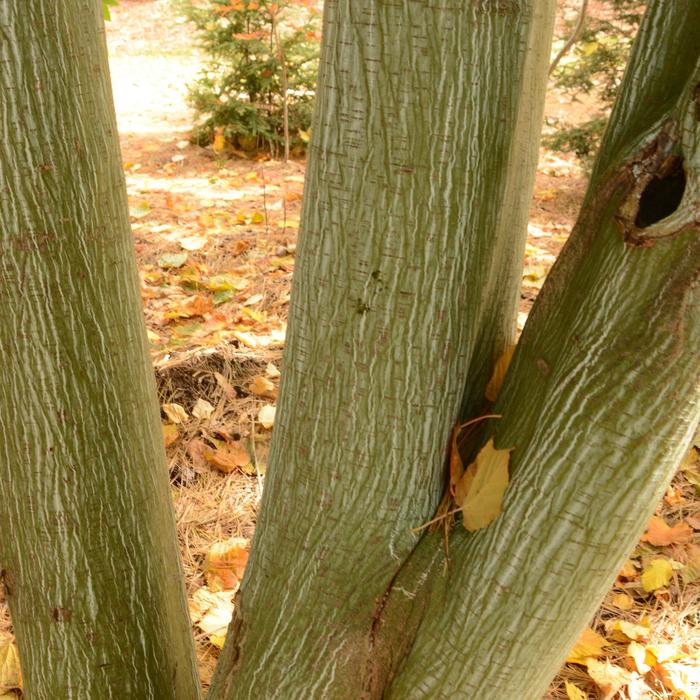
x=271, y=371
x=176, y=413
x=480, y=491
x=660, y=534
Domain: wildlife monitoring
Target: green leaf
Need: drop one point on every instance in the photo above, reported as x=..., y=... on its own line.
x=105, y=7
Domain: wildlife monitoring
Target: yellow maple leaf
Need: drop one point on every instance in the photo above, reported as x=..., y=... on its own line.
x=657, y=574
x=589, y=645
x=573, y=692
x=499, y=373
x=480, y=491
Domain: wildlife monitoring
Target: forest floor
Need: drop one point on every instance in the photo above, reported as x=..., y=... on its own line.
x=215, y=237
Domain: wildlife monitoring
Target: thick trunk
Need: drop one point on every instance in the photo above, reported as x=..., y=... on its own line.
x=600, y=403
x=405, y=292
x=88, y=552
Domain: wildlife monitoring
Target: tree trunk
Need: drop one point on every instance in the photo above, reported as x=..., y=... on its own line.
x=88, y=552
x=600, y=404
x=407, y=280
x=417, y=189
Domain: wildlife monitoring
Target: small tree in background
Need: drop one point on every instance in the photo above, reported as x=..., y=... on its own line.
x=595, y=66
x=259, y=83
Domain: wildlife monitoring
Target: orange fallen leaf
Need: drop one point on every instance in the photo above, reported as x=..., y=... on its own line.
x=660, y=534
x=230, y=456
x=225, y=563
x=628, y=571
x=622, y=601
x=589, y=644
x=642, y=660
x=261, y=386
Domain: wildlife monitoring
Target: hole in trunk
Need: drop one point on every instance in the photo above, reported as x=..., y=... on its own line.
x=662, y=195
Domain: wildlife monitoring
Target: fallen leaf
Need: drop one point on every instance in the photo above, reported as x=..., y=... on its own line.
x=574, y=692
x=10, y=674
x=622, y=601
x=272, y=371
x=261, y=386
x=225, y=563
x=499, y=373
x=212, y=612
x=481, y=489
x=589, y=644
x=176, y=413
x=193, y=242
x=230, y=456
x=656, y=575
x=660, y=534
x=694, y=521
x=225, y=385
x=661, y=653
x=628, y=570
x=266, y=416
x=608, y=677
x=172, y=260
x=641, y=659
x=683, y=679
x=170, y=434
x=202, y=409
x=632, y=631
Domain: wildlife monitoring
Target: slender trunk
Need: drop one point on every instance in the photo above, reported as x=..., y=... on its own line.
x=575, y=34
x=418, y=185
x=284, y=84
x=601, y=401
x=88, y=552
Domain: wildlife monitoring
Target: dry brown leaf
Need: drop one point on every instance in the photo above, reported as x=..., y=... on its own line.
x=499, y=373
x=227, y=457
x=660, y=534
x=589, y=644
x=480, y=491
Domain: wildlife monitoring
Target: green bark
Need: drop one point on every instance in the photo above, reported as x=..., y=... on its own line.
x=408, y=274
x=88, y=552
x=600, y=404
